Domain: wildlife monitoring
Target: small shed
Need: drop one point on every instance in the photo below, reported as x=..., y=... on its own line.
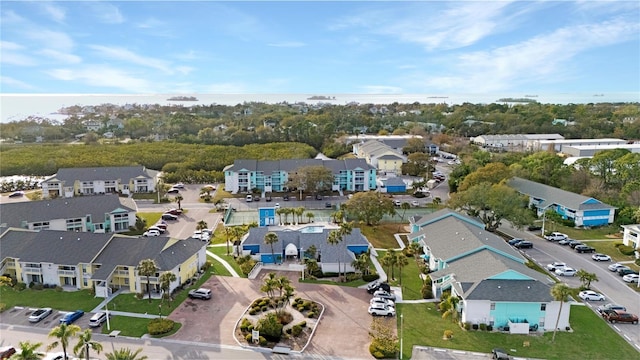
x=395, y=185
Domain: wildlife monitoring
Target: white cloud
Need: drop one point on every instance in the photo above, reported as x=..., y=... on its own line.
x=541, y=59
x=61, y=56
x=289, y=44
x=118, y=53
x=102, y=76
x=107, y=13
x=8, y=45
x=51, y=39
x=184, y=70
x=10, y=17
x=381, y=89
x=150, y=23
x=13, y=58
x=57, y=14
x=9, y=81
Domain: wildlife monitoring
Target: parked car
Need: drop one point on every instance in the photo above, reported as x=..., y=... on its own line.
x=584, y=249
x=277, y=206
x=201, y=293
x=173, y=191
x=499, y=354
x=376, y=285
x=556, y=236
x=248, y=198
x=415, y=203
x=397, y=203
x=556, y=265
x=616, y=266
x=161, y=230
x=623, y=272
x=565, y=241
x=610, y=306
x=178, y=186
x=384, y=294
x=600, y=257
x=97, y=319
x=174, y=211
x=268, y=198
x=589, y=295
x=166, y=216
x=534, y=227
x=382, y=310
x=69, y=318
x=381, y=301
x=631, y=278
x=151, y=233
x=573, y=243
x=201, y=235
x=285, y=197
x=614, y=316
x=328, y=205
x=514, y=241
x=567, y=271
x=16, y=194
x=40, y=314
x=524, y=245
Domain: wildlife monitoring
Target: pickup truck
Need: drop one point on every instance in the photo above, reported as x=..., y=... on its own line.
x=202, y=293
x=614, y=316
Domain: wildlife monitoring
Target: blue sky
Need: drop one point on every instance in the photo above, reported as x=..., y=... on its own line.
x=360, y=47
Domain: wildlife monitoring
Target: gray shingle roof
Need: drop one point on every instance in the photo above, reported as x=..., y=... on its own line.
x=290, y=165
x=511, y=290
x=330, y=253
x=440, y=214
x=123, y=173
x=551, y=195
x=58, y=247
x=394, y=181
x=13, y=214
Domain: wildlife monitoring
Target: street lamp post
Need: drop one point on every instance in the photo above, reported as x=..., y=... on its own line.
x=401, y=330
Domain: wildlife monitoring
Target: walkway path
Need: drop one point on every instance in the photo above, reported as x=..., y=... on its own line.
x=223, y=262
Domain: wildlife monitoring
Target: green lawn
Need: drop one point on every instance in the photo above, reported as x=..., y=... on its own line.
x=222, y=252
x=411, y=281
x=609, y=248
x=584, y=234
x=150, y=217
x=592, y=338
x=217, y=268
x=128, y=326
x=219, y=235
x=381, y=235
x=59, y=300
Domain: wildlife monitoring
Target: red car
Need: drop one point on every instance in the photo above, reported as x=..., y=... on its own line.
x=614, y=316
x=174, y=211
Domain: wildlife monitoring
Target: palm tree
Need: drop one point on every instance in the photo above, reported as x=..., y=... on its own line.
x=280, y=212
x=270, y=285
x=178, y=199
x=450, y=306
x=165, y=279
x=229, y=233
x=389, y=260
x=312, y=266
x=85, y=343
x=586, y=278
x=125, y=354
x=63, y=332
x=404, y=206
x=271, y=238
x=559, y=292
x=201, y=225
x=148, y=268
x=310, y=216
x=402, y=261
x=361, y=264
x=416, y=248
x=299, y=211
x=28, y=351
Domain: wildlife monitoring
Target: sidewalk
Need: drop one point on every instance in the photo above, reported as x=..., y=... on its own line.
x=223, y=262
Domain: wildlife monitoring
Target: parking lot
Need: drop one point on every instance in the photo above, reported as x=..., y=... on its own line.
x=20, y=316
x=213, y=321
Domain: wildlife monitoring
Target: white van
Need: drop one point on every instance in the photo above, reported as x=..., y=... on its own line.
x=249, y=198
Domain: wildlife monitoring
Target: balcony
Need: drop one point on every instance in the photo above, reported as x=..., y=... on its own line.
x=30, y=270
x=66, y=272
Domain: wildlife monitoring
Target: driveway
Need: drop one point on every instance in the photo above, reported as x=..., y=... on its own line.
x=342, y=331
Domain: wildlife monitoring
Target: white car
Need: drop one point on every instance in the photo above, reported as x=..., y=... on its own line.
x=179, y=186
x=630, y=278
x=151, y=232
x=40, y=314
x=567, y=271
x=201, y=235
x=385, y=295
x=556, y=236
x=161, y=230
x=382, y=310
x=277, y=206
x=589, y=295
x=556, y=265
x=415, y=203
x=601, y=257
x=616, y=266
x=381, y=301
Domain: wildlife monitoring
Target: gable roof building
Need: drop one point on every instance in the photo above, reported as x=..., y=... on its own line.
x=95, y=260
x=84, y=214
x=69, y=182
x=491, y=278
x=583, y=210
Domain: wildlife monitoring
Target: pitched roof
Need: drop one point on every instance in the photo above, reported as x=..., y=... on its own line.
x=511, y=290
x=305, y=239
x=289, y=165
x=551, y=195
x=442, y=214
x=58, y=247
x=13, y=214
x=123, y=173
x=394, y=181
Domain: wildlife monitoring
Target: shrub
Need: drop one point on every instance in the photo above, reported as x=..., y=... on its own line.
x=21, y=286
x=311, y=314
x=270, y=327
x=245, y=324
x=262, y=341
x=139, y=296
x=467, y=326
x=448, y=334
x=252, y=311
x=264, y=308
x=379, y=351
x=297, y=300
x=302, y=323
x=160, y=326
x=248, y=337
x=306, y=304
x=285, y=318
x=370, y=277
x=300, y=308
x=3, y=307
x=37, y=287
x=483, y=327
x=625, y=250
x=296, y=330
x=263, y=302
x=288, y=331
x=59, y=288
x=427, y=291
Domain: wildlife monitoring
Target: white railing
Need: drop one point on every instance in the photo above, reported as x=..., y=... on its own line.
x=67, y=272
x=255, y=270
x=30, y=270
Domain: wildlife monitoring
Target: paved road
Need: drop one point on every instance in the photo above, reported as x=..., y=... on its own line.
x=610, y=284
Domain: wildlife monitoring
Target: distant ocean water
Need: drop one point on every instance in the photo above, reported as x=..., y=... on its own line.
x=15, y=107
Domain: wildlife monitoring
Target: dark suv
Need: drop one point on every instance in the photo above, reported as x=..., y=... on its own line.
x=499, y=354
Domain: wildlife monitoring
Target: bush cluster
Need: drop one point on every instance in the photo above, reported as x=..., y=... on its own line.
x=379, y=351
x=296, y=330
x=624, y=249
x=160, y=326
x=370, y=277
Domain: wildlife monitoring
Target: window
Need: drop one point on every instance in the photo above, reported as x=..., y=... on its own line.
x=40, y=225
x=74, y=224
x=493, y=306
x=543, y=307
x=120, y=222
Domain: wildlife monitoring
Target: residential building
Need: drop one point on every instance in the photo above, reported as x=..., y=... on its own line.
x=112, y=214
x=583, y=210
x=394, y=185
x=273, y=175
x=69, y=182
x=491, y=278
x=514, y=142
x=294, y=242
x=631, y=235
x=380, y=155
x=104, y=262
